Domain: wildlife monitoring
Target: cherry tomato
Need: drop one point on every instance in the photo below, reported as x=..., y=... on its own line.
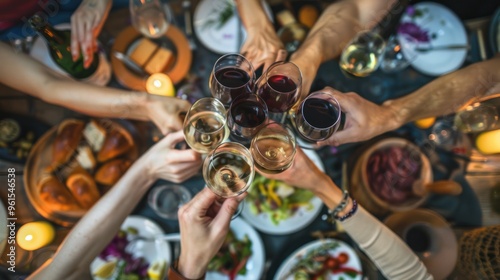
x=332, y=263
x=343, y=258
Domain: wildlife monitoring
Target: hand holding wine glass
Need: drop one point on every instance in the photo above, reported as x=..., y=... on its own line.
x=205, y=125
x=362, y=55
x=150, y=17
x=231, y=76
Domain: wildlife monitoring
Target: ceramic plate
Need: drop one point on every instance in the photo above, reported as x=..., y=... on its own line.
x=444, y=28
x=40, y=52
x=150, y=251
x=224, y=39
x=302, y=218
x=255, y=264
x=290, y=262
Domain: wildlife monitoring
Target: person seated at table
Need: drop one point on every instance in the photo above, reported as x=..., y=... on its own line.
x=87, y=18
x=338, y=24
x=444, y=95
x=95, y=230
x=388, y=252
x=25, y=74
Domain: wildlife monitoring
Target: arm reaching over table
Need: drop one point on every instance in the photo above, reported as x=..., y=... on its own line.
x=101, y=223
x=29, y=76
x=389, y=253
x=444, y=95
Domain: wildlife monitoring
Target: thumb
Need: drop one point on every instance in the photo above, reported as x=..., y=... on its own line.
x=226, y=212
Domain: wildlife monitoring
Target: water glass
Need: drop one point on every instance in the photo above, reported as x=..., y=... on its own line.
x=165, y=200
x=150, y=17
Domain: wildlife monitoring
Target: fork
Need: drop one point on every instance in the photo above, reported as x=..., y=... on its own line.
x=444, y=47
x=132, y=245
x=186, y=6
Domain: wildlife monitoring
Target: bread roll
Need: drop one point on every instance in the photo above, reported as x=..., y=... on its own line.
x=110, y=172
x=55, y=195
x=83, y=188
x=69, y=134
x=118, y=141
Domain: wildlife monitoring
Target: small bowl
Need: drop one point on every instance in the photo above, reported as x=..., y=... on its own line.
x=370, y=200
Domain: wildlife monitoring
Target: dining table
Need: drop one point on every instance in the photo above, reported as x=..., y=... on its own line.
x=476, y=173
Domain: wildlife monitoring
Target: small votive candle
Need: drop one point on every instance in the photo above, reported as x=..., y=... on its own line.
x=160, y=84
x=35, y=235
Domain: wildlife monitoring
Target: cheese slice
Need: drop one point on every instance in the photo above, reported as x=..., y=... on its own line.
x=161, y=61
x=143, y=52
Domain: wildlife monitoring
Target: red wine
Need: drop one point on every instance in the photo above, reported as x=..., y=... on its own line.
x=247, y=113
x=236, y=80
x=319, y=112
x=279, y=93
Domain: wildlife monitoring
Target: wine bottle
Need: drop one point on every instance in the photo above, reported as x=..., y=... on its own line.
x=59, y=43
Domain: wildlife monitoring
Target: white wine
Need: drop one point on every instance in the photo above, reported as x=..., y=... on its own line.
x=358, y=60
x=228, y=174
x=150, y=21
x=273, y=153
x=205, y=130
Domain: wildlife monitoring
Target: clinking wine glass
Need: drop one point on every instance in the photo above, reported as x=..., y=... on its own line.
x=231, y=76
x=205, y=125
x=150, y=17
x=318, y=117
x=273, y=148
x=247, y=114
x=229, y=170
x=280, y=88
x=362, y=55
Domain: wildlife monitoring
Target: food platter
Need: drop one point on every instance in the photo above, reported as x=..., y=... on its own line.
x=36, y=169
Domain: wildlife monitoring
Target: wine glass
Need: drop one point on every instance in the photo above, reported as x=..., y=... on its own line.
x=229, y=170
x=246, y=115
x=361, y=56
x=476, y=118
x=399, y=53
x=273, y=148
x=280, y=87
x=205, y=125
x=150, y=17
x=231, y=76
x=318, y=116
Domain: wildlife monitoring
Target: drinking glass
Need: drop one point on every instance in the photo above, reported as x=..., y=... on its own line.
x=273, y=148
x=477, y=117
x=399, y=53
x=150, y=17
x=205, y=125
x=280, y=86
x=228, y=170
x=247, y=114
x=165, y=200
x=231, y=76
x=361, y=56
x=318, y=116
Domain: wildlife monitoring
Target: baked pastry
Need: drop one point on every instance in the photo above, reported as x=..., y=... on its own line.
x=118, y=141
x=83, y=188
x=55, y=195
x=69, y=134
x=110, y=172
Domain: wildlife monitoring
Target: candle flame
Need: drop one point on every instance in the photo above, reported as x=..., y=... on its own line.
x=157, y=83
x=28, y=237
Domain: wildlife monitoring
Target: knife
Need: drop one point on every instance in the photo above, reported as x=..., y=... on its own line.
x=129, y=62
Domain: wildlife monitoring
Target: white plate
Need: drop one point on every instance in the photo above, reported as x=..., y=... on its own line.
x=40, y=52
x=290, y=262
x=150, y=251
x=448, y=29
x=255, y=264
x=225, y=39
x=3, y=226
x=302, y=218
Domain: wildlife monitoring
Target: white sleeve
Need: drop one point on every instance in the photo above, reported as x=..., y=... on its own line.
x=387, y=251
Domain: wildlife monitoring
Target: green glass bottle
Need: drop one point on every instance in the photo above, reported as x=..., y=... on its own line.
x=59, y=42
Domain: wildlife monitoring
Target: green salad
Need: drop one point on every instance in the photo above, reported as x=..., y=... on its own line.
x=277, y=199
x=232, y=257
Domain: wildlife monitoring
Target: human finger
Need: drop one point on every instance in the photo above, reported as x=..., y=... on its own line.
x=203, y=201
x=226, y=212
x=75, y=47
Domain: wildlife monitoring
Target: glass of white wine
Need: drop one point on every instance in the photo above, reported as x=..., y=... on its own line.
x=362, y=55
x=273, y=148
x=205, y=125
x=150, y=17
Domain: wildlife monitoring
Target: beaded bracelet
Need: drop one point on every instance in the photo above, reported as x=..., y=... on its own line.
x=342, y=205
x=350, y=213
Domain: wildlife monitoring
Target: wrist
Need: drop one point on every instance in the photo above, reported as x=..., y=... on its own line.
x=191, y=269
x=396, y=115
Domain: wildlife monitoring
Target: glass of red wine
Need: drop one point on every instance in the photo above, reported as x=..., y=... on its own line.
x=231, y=76
x=318, y=116
x=280, y=87
x=247, y=114
x=273, y=148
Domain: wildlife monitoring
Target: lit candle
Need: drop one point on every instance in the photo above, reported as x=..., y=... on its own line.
x=35, y=235
x=160, y=84
x=489, y=142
